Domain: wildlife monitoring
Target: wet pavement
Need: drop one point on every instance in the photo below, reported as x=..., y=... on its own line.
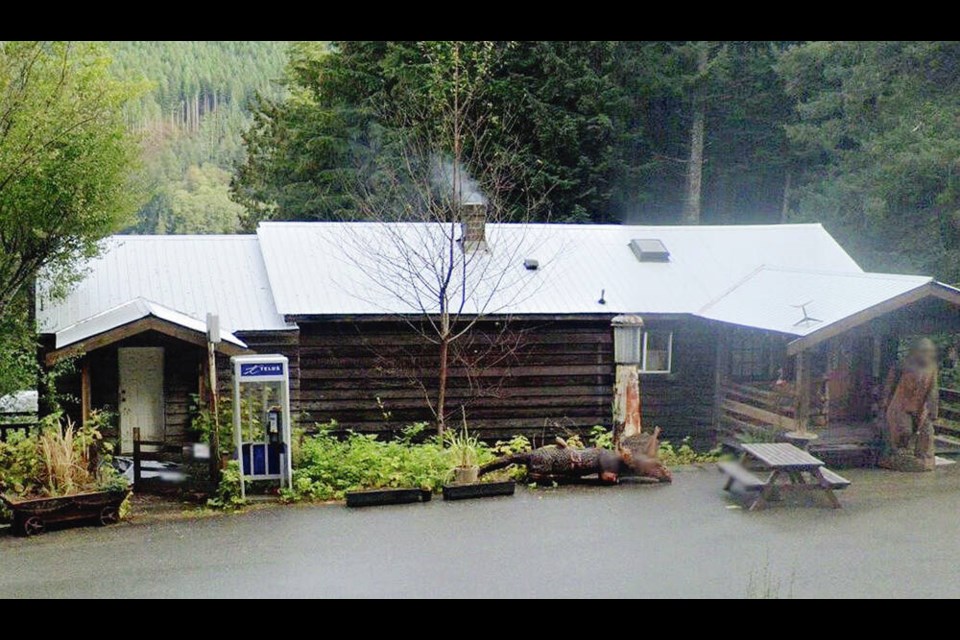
x=898, y=535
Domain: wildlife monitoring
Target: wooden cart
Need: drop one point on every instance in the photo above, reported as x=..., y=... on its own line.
x=32, y=515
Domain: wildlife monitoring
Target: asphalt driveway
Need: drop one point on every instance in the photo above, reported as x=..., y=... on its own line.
x=898, y=535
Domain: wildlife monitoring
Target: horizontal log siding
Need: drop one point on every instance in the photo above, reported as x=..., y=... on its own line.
x=546, y=377
x=285, y=343
x=682, y=403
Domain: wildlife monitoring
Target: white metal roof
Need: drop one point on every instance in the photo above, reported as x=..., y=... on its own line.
x=332, y=268
x=191, y=275
x=757, y=276
x=775, y=298
x=128, y=312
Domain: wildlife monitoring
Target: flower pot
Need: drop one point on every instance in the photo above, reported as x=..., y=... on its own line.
x=466, y=475
x=32, y=515
x=380, y=497
x=478, y=490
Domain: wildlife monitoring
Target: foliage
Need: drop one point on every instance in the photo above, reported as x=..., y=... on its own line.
x=190, y=123
x=877, y=140
x=685, y=454
x=670, y=455
x=18, y=347
x=327, y=467
x=203, y=420
x=596, y=130
x=66, y=160
x=62, y=459
x=516, y=444
x=228, y=496
x=308, y=150
x=464, y=448
x=601, y=437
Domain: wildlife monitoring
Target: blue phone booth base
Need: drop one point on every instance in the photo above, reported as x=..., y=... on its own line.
x=264, y=461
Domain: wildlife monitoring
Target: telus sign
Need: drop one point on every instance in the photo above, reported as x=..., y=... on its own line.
x=261, y=370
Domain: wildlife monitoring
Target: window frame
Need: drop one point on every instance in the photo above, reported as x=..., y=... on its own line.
x=643, y=353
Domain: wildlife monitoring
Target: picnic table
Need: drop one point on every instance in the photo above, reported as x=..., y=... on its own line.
x=790, y=469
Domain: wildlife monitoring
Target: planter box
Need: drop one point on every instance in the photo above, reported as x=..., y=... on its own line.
x=379, y=497
x=478, y=490
x=31, y=516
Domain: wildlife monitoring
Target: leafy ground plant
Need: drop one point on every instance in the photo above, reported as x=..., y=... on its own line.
x=669, y=454
x=327, y=466
x=61, y=459
x=229, y=496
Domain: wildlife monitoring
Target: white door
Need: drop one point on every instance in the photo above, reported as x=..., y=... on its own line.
x=141, y=394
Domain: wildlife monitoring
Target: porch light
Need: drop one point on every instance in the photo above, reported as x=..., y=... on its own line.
x=627, y=339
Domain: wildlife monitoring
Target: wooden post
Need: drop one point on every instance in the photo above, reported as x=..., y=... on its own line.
x=215, y=409
x=213, y=339
x=136, y=457
x=803, y=391
x=626, y=403
x=719, y=378
x=85, y=391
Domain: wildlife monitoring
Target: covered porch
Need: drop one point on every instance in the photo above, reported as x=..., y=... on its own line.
x=143, y=365
x=824, y=369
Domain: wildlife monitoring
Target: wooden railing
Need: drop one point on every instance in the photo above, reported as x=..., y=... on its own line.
x=949, y=422
x=755, y=409
x=10, y=422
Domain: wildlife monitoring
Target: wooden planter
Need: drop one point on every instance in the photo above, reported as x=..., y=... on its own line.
x=32, y=515
x=380, y=497
x=478, y=490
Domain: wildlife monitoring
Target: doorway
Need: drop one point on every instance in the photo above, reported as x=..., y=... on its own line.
x=141, y=394
x=850, y=380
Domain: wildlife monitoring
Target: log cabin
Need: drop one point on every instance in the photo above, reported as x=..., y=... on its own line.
x=747, y=329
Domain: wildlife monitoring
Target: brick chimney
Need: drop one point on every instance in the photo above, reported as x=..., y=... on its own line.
x=473, y=226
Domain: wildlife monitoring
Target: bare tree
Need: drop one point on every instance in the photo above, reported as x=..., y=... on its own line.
x=429, y=255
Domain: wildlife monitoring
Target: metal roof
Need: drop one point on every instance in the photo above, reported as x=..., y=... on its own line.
x=131, y=312
x=801, y=302
x=336, y=268
x=190, y=275
x=765, y=276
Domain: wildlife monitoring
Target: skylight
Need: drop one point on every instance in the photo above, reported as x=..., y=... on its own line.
x=649, y=250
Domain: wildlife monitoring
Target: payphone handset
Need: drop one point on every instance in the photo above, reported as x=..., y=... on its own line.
x=274, y=426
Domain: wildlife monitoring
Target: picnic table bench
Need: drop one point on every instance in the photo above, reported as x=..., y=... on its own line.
x=790, y=469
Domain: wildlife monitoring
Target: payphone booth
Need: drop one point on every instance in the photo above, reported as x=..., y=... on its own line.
x=261, y=418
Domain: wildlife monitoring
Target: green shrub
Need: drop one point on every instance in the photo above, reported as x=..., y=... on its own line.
x=328, y=467
x=671, y=456
x=60, y=459
x=228, y=495
x=601, y=437
x=685, y=454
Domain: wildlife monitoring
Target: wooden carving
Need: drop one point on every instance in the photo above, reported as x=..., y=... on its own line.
x=635, y=455
x=909, y=407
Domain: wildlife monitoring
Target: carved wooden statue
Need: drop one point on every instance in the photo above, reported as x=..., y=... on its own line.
x=909, y=409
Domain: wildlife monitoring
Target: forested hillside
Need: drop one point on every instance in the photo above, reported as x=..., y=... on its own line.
x=862, y=136
x=190, y=120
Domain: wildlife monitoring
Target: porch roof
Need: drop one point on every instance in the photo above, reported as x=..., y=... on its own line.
x=130, y=318
x=817, y=305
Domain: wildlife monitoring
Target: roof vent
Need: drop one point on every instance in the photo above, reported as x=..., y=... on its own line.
x=649, y=250
x=531, y=265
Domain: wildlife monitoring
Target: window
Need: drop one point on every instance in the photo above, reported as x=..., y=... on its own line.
x=657, y=352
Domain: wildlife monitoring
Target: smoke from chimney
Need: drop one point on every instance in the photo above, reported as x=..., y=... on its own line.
x=473, y=204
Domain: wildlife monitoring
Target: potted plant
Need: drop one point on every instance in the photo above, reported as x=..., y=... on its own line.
x=465, y=451
x=61, y=473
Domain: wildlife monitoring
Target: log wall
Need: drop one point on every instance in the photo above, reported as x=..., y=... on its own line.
x=538, y=377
